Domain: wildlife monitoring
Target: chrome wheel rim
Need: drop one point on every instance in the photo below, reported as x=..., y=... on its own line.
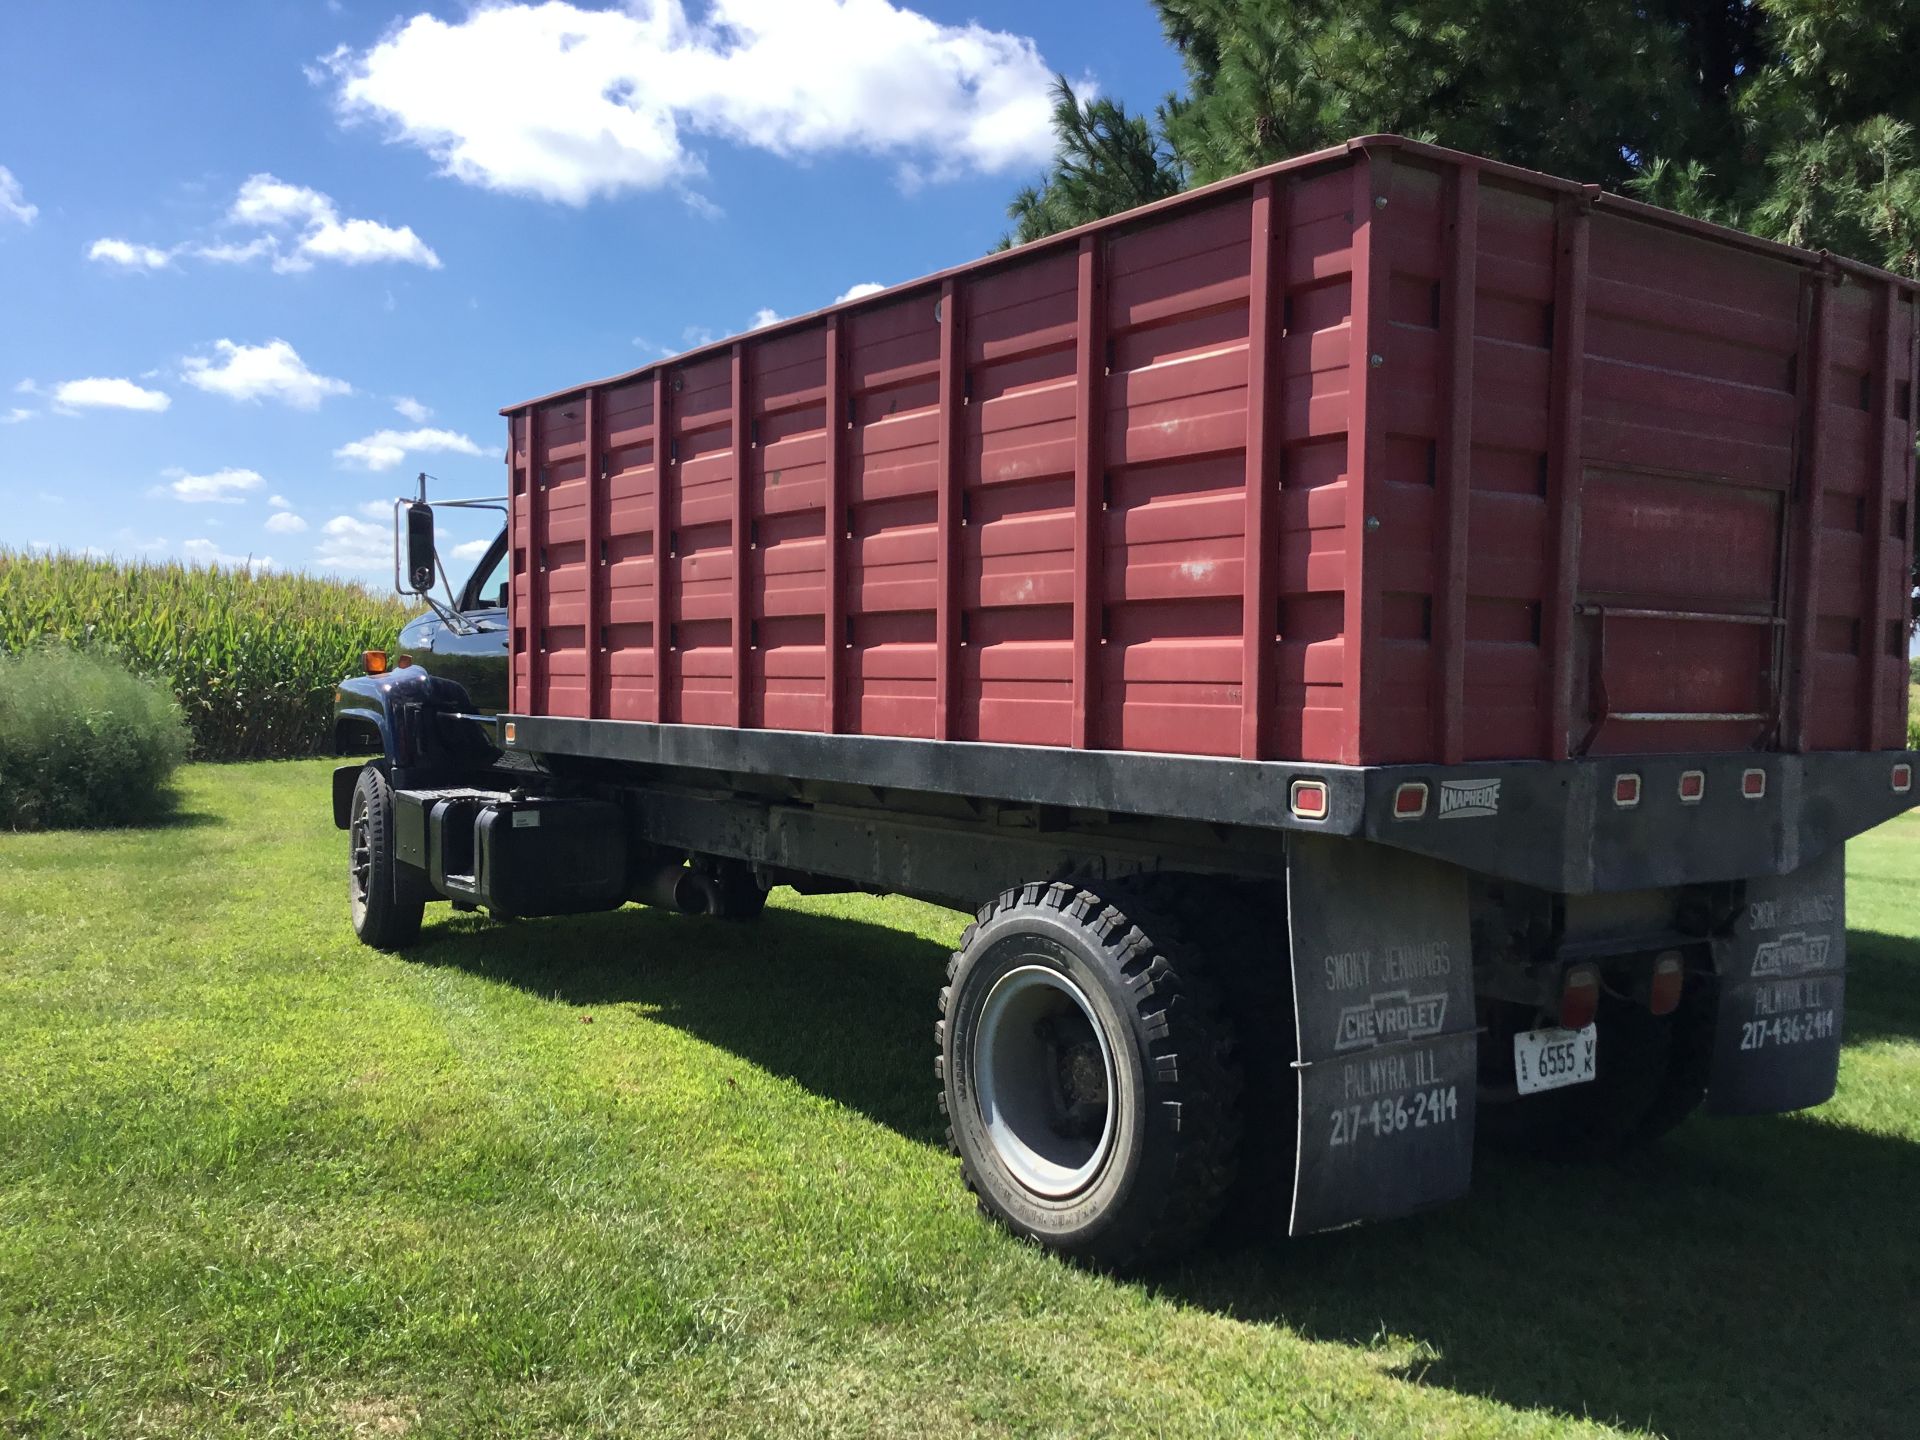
x=359, y=858
x=1044, y=1081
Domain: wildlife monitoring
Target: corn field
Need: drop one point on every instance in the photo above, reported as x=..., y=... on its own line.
x=252, y=658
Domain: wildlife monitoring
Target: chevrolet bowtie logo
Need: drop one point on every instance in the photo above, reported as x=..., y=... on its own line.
x=1395, y=1015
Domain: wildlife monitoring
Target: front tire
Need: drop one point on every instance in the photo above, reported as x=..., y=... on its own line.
x=385, y=909
x=1089, y=1075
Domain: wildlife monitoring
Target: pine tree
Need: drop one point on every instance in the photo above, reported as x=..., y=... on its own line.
x=1791, y=118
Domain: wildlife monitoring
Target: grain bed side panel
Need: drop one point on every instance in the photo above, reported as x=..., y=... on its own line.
x=1075, y=422
x=1538, y=473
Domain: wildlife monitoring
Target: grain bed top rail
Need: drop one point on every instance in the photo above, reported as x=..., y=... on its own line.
x=1598, y=198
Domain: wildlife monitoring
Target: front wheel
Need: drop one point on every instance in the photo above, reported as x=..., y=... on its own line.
x=1089, y=1075
x=386, y=910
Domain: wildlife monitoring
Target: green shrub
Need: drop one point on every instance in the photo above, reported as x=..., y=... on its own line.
x=252, y=659
x=83, y=741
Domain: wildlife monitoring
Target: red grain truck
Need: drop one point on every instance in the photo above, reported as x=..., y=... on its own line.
x=1392, y=644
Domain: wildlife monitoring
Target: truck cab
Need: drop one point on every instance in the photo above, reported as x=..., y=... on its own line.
x=462, y=645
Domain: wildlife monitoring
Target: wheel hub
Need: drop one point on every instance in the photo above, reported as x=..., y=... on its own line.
x=1044, y=1081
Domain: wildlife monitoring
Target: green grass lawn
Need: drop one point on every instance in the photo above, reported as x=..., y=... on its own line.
x=638, y=1174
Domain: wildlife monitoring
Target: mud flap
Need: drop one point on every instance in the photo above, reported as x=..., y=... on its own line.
x=1383, y=1003
x=1776, y=1042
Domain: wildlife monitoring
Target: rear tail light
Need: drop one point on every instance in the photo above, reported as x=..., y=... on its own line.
x=1579, y=997
x=1410, y=800
x=1669, y=975
x=1693, y=786
x=1308, y=800
x=1753, y=784
x=1902, y=779
x=1626, y=791
x=510, y=728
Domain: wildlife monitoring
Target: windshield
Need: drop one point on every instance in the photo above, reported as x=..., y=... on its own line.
x=487, y=590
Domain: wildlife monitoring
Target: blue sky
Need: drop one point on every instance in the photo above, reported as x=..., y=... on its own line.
x=262, y=262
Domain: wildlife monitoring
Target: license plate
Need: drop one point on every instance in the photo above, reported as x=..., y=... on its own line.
x=1549, y=1059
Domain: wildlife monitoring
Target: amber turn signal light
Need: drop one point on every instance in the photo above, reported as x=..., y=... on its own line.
x=374, y=662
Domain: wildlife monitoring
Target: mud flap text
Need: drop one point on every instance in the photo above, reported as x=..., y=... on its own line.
x=1776, y=1043
x=1383, y=1002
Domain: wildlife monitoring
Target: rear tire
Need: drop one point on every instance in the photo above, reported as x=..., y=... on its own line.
x=1242, y=927
x=385, y=907
x=1088, y=1075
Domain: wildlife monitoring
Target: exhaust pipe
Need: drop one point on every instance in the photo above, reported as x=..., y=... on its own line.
x=676, y=887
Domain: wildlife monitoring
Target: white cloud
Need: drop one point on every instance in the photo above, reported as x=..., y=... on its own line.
x=471, y=549
x=367, y=242
x=566, y=103
x=13, y=201
x=279, y=502
x=269, y=200
x=205, y=552
x=15, y=415
x=300, y=226
x=252, y=372
x=700, y=205
x=98, y=393
x=222, y=487
x=128, y=255
x=385, y=449
x=764, y=317
x=271, y=203
x=350, y=544
x=233, y=252
x=409, y=408
x=854, y=292
x=285, y=522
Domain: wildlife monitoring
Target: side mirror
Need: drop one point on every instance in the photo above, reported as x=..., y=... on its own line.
x=420, y=562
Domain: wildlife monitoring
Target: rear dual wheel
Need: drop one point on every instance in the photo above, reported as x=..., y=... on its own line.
x=1089, y=1075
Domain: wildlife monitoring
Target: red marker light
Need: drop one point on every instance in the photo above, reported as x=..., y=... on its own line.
x=1410, y=800
x=1309, y=800
x=1579, y=997
x=1693, y=786
x=1669, y=976
x=1753, y=784
x=1626, y=791
x=1902, y=779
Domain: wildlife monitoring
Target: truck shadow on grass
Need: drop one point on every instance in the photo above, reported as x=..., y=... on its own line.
x=1746, y=1277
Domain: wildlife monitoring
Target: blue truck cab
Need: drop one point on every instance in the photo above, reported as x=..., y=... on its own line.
x=429, y=709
